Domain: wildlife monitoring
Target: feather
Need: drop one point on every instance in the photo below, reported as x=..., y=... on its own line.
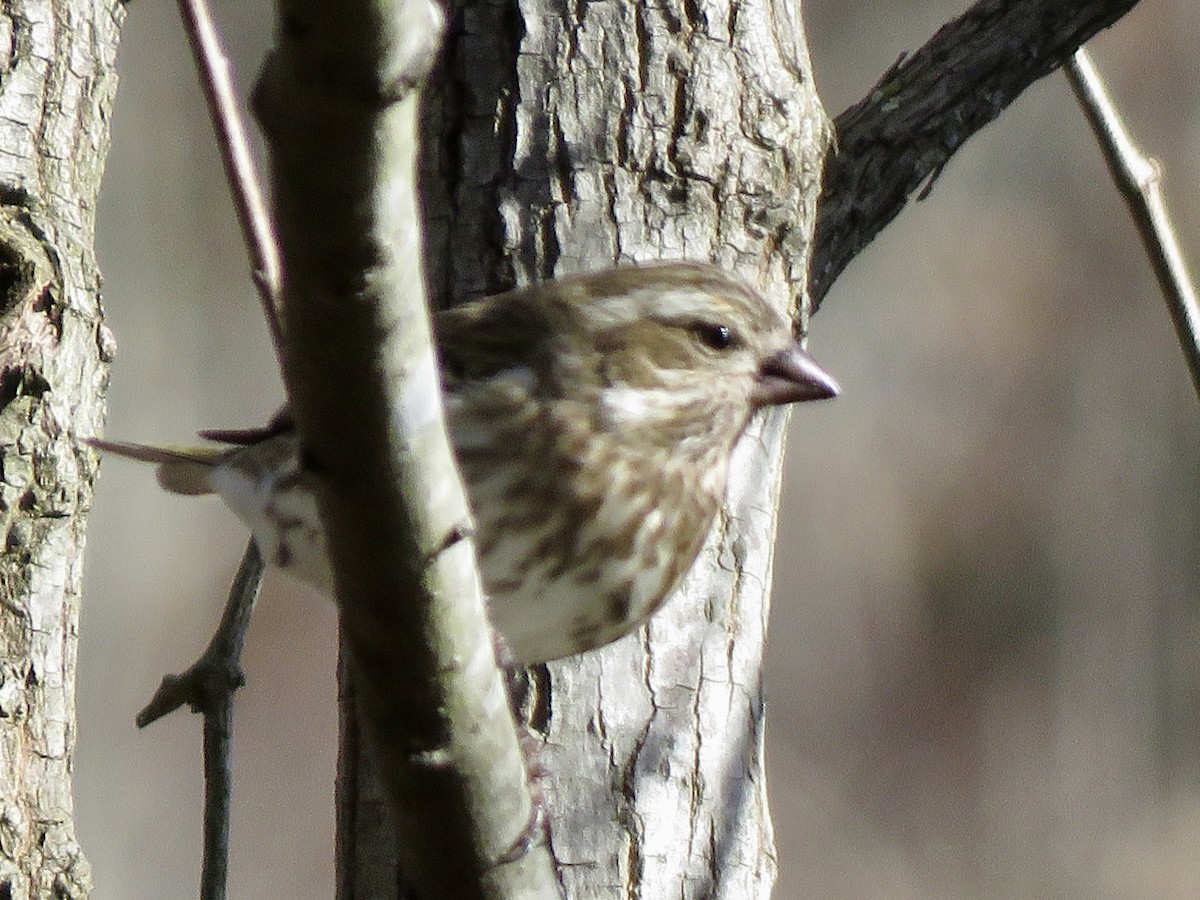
x=484, y=337
x=181, y=470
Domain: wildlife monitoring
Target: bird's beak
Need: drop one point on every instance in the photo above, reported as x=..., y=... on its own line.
x=791, y=376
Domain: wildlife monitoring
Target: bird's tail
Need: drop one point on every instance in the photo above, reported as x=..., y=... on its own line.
x=181, y=470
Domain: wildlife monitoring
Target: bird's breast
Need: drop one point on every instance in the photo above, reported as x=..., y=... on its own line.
x=580, y=536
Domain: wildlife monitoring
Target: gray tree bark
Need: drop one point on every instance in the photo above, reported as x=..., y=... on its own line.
x=561, y=137
x=338, y=99
x=55, y=107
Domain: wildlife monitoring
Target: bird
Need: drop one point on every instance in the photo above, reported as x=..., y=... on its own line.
x=593, y=418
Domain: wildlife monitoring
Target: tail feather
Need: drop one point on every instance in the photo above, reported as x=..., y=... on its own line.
x=181, y=470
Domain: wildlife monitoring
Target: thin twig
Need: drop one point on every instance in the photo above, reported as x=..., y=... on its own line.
x=208, y=688
x=217, y=82
x=217, y=671
x=218, y=798
x=209, y=685
x=1139, y=178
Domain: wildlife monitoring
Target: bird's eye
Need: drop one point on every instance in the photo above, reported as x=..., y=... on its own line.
x=717, y=337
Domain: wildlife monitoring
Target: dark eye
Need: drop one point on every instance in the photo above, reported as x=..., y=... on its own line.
x=718, y=337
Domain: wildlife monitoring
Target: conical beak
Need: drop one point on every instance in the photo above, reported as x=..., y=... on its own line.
x=791, y=376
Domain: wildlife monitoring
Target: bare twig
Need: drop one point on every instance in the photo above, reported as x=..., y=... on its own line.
x=893, y=143
x=208, y=688
x=1139, y=178
x=217, y=670
x=209, y=684
x=217, y=82
x=218, y=798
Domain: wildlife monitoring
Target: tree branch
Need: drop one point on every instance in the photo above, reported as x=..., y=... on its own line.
x=1139, y=178
x=208, y=687
x=338, y=101
x=896, y=140
x=209, y=684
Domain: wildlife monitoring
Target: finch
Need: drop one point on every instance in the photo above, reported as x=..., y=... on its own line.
x=593, y=418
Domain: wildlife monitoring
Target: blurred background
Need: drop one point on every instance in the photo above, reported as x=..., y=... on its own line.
x=984, y=669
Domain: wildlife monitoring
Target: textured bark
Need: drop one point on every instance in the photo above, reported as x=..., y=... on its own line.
x=568, y=136
x=55, y=101
x=338, y=101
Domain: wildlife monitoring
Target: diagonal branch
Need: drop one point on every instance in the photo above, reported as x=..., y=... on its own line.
x=208, y=687
x=216, y=81
x=338, y=100
x=1139, y=179
x=209, y=684
x=895, y=141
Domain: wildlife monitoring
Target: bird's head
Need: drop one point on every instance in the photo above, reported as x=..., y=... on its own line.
x=678, y=354
x=680, y=350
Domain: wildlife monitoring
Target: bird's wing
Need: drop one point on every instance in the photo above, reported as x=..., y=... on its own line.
x=484, y=337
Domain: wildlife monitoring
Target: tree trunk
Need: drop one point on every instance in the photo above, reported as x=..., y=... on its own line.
x=55, y=105
x=566, y=137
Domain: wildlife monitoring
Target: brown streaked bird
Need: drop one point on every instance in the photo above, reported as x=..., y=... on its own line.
x=593, y=418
